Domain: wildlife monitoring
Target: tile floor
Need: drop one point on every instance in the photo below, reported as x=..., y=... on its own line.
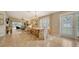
x=25, y=39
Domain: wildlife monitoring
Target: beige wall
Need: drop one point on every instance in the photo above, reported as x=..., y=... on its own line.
x=55, y=22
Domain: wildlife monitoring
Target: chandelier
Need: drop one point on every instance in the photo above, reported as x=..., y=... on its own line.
x=35, y=17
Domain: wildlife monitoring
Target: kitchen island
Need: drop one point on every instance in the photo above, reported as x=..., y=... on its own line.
x=38, y=32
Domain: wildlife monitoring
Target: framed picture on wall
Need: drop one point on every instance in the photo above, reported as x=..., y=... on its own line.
x=1, y=19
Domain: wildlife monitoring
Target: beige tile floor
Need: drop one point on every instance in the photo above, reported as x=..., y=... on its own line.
x=25, y=39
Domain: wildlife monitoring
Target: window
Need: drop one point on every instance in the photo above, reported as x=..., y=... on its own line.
x=67, y=24
x=44, y=22
x=19, y=24
x=70, y=26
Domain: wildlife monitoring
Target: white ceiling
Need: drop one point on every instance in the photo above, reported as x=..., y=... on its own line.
x=28, y=14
